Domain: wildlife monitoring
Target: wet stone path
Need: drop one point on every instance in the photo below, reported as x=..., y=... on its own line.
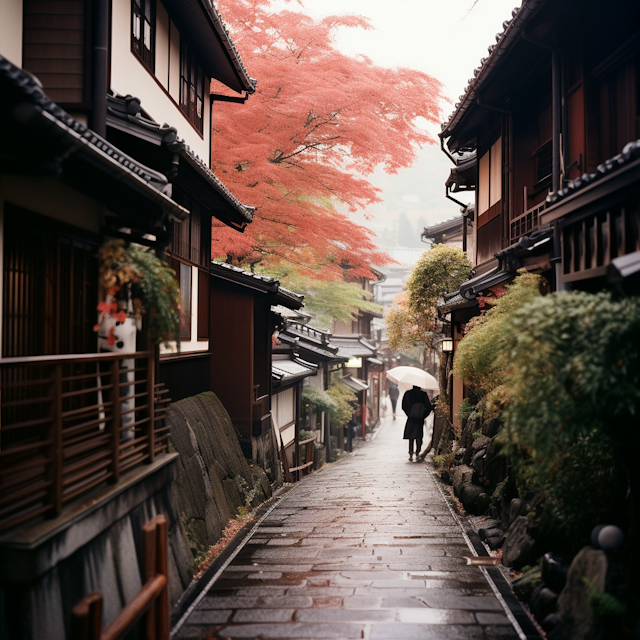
x=366, y=548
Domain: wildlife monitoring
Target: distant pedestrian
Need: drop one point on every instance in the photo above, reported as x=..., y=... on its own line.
x=394, y=392
x=417, y=407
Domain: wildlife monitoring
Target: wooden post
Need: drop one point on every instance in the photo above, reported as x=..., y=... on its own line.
x=86, y=618
x=162, y=603
x=149, y=539
x=115, y=420
x=151, y=378
x=56, y=457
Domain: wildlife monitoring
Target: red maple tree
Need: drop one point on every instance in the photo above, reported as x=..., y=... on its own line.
x=300, y=148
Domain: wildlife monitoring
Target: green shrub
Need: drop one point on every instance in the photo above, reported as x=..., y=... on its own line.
x=573, y=400
x=465, y=409
x=315, y=401
x=574, y=369
x=480, y=358
x=342, y=396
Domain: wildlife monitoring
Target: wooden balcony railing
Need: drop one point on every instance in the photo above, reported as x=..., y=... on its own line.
x=152, y=601
x=526, y=222
x=62, y=432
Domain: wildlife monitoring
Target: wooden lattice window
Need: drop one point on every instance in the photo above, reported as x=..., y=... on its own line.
x=143, y=31
x=191, y=88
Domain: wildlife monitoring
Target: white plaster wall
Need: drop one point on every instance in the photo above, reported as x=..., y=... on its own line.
x=194, y=344
x=317, y=381
x=11, y=30
x=129, y=76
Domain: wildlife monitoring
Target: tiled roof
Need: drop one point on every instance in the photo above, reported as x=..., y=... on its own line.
x=24, y=91
x=265, y=284
x=288, y=370
x=314, y=341
x=511, y=30
x=355, y=384
x=129, y=109
x=630, y=152
x=353, y=346
x=222, y=29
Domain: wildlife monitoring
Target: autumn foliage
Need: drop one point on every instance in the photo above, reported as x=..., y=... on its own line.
x=299, y=149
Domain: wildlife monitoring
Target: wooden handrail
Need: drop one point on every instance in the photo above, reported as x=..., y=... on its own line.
x=73, y=357
x=62, y=419
x=152, y=600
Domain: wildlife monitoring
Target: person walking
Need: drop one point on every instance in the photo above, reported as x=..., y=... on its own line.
x=417, y=407
x=394, y=392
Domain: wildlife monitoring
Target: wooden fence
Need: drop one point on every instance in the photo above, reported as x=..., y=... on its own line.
x=152, y=600
x=62, y=433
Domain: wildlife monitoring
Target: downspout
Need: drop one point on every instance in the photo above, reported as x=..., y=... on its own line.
x=557, y=110
x=99, y=67
x=565, y=117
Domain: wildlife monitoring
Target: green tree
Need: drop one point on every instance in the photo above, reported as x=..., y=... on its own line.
x=440, y=270
x=326, y=300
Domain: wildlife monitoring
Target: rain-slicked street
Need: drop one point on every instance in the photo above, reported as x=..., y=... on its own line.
x=366, y=548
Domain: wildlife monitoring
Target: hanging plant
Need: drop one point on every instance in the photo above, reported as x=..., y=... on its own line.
x=139, y=284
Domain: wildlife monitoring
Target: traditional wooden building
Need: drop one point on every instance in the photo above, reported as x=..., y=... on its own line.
x=242, y=325
x=82, y=161
x=315, y=346
x=552, y=115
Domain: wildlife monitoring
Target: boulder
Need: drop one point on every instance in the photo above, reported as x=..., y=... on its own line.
x=517, y=507
x=462, y=475
x=518, y=546
x=474, y=499
x=574, y=612
x=549, y=623
x=494, y=538
x=543, y=601
x=524, y=586
x=492, y=533
x=481, y=442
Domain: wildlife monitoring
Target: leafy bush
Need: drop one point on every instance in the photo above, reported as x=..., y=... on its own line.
x=577, y=487
x=480, y=358
x=342, y=396
x=574, y=369
x=465, y=409
x=315, y=401
x=573, y=399
x=130, y=272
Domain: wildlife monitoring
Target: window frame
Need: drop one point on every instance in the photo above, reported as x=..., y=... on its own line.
x=192, y=83
x=143, y=13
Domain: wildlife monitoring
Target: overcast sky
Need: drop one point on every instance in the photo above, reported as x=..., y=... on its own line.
x=445, y=38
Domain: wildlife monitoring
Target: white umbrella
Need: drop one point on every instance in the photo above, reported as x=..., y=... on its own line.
x=410, y=376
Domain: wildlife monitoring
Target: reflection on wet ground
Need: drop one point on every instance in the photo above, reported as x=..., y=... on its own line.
x=367, y=548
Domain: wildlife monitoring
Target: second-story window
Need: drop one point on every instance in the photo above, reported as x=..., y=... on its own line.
x=191, y=88
x=143, y=31
x=490, y=177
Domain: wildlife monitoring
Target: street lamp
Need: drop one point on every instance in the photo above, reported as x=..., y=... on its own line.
x=447, y=345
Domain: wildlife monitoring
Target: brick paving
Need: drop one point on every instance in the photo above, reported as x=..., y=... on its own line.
x=366, y=548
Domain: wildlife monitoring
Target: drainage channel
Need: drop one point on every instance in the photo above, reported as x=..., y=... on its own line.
x=501, y=587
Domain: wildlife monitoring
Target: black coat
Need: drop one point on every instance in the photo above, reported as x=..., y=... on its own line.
x=413, y=429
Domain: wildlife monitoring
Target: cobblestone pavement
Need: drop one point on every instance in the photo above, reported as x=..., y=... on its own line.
x=366, y=548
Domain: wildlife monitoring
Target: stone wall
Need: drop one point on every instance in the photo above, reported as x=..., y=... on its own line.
x=47, y=568
x=214, y=479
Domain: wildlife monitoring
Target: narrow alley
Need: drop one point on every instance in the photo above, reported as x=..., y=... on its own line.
x=366, y=548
